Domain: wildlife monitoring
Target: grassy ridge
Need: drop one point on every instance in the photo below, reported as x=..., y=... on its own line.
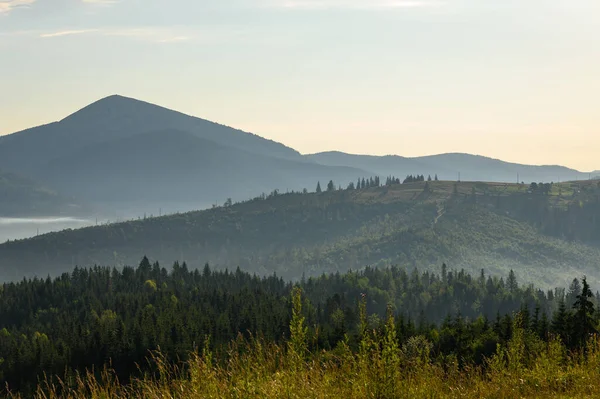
x=475, y=225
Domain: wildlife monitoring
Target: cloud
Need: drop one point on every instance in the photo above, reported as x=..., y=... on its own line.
x=101, y=2
x=152, y=34
x=175, y=39
x=147, y=34
x=7, y=6
x=157, y=35
x=354, y=4
x=68, y=32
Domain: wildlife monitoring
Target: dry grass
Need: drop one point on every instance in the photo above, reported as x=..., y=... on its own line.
x=256, y=369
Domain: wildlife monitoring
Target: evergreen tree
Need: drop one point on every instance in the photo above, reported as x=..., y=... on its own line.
x=583, y=320
x=560, y=322
x=535, y=321
x=330, y=186
x=573, y=293
x=512, y=281
x=543, y=327
x=319, y=187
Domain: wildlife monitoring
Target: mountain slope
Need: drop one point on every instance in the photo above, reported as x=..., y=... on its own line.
x=546, y=238
x=448, y=167
x=23, y=197
x=170, y=165
x=114, y=118
x=123, y=154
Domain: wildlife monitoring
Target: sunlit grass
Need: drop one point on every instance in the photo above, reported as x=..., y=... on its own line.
x=525, y=368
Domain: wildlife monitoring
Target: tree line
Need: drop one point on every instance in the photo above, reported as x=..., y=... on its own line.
x=90, y=317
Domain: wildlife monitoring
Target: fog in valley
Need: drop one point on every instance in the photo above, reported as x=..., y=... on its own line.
x=18, y=228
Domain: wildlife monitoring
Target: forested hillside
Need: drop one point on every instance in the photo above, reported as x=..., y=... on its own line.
x=91, y=317
x=546, y=233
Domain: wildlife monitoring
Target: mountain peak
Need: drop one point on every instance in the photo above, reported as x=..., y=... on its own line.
x=118, y=117
x=112, y=106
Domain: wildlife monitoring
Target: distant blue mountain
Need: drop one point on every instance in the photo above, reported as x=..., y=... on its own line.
x=451, y=167
x=120, y=149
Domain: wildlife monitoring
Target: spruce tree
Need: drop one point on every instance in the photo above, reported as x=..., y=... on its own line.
x=583, y=321
x=330, y=186
x=319, y=187
x=512, y=281
x=543, y=326
x=560, y=322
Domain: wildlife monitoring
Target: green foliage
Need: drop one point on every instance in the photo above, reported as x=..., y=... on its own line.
x=377, y=331
x=298, y=331
x=547, y=238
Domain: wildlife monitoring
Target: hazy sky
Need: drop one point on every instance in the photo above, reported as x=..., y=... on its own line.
x=511, y=79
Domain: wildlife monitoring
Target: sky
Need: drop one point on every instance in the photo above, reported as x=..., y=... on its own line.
x=512, y=79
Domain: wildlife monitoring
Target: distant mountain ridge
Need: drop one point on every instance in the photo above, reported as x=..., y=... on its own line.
x=120, y=149
x=186, y=167
x=451, y=166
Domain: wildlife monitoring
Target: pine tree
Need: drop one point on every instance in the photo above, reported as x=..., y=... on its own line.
x=543, y=327
x=512, y=281
x=560, y=322
x=574, y=292
x=319, y=187
x=330, y=186
x=481, y=280
x=583, y=322
x=535, y=321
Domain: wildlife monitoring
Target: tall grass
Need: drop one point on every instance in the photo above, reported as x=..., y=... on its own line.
x=380, y=368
